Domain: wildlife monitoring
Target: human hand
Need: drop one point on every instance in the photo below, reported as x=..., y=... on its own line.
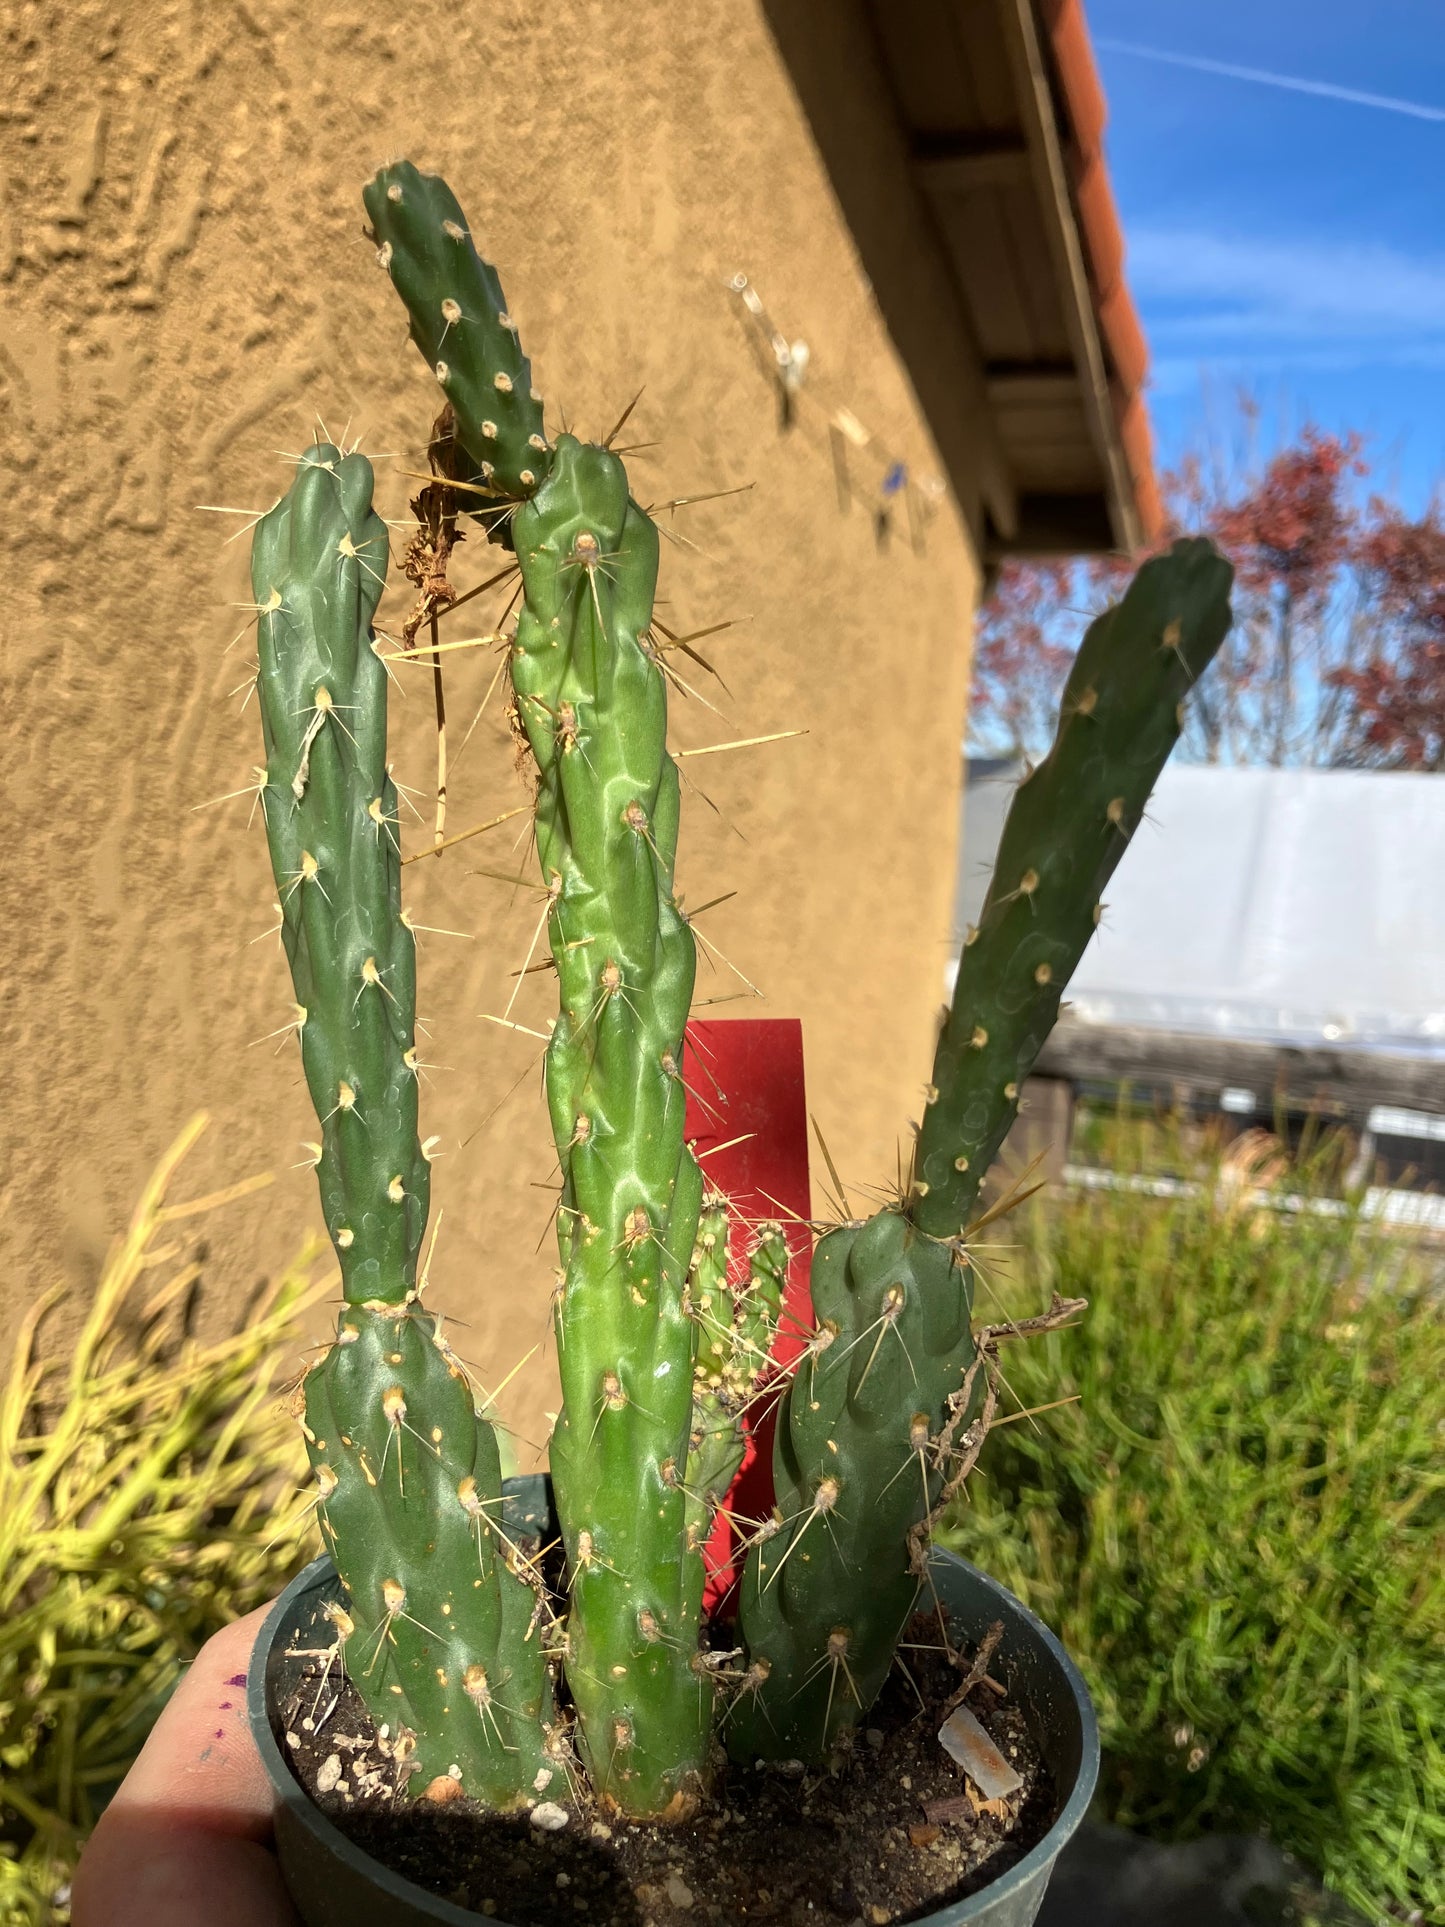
x=185, y=1842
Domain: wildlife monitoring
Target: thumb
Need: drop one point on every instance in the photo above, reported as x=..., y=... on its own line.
x=184, y=1841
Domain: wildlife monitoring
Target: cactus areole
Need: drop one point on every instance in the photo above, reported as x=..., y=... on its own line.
x=666, y=1309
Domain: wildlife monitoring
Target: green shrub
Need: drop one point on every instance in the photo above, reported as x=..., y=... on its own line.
x=147, y=1498
x=1239, y=1529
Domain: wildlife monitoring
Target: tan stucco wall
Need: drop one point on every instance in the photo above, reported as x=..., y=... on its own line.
x=185, y=285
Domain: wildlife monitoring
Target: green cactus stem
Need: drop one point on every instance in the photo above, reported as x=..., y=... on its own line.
x=440, y=1629
x=1069, y=824
x=827, y=1587
x=825, y=1597
x=590, y=695
x=710, y=1465
x=460, y=323
x=737, y=1324
x=447, y=1619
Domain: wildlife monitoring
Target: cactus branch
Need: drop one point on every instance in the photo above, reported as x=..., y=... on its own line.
x=439, y=1603
x=592, y=702
x=901, y=1369
x=1069, y=824
x=590, y=697
x=460, y=323
x=737, y=1322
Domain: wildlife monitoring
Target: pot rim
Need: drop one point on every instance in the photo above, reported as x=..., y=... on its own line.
x=288, y=1789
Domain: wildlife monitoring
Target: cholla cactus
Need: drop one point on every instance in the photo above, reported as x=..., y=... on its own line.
x=737, y=1321
x=662, y=1346
x=855, y=1468
x=438, y=1631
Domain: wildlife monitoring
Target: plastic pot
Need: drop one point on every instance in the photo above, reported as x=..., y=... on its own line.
x=334, y=1883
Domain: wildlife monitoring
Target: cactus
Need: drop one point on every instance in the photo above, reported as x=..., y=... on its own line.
x=737, y=1326
x=460, y=323
x=1069, y=824
x=662, y=1349
x=715, y=1441
x=439, y=1622
x=592, y=701
x=855, y=1466
x=590, y=696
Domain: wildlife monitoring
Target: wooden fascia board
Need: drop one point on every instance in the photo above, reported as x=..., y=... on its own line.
x=1036, y=110
x=966, y=165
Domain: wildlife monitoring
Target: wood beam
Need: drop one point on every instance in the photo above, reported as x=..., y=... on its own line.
x=1058, y=524
x=1044, y=386
x=1348, y=1081
x=963, y=166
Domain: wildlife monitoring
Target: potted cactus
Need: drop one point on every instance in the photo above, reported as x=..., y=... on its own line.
x=494, y=1677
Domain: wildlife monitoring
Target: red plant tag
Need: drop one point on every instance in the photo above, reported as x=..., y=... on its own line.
x=747, y=1117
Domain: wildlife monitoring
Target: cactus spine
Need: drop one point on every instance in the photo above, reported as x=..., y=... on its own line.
x=823, y=1601
x=438, y=1628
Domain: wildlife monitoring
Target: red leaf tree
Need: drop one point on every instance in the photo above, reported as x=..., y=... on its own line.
x=1338, y=650
x=1395, y=699
x=1290, y=531
x=1020, y=659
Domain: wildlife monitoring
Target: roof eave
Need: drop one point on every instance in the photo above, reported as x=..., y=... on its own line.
x=908, y=181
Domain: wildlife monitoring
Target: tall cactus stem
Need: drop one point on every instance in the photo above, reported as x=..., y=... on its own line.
x=591, y=698
x=440, y=1605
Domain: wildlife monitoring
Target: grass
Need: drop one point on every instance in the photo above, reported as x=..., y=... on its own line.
x=1239, y=1530
x=147, y=1497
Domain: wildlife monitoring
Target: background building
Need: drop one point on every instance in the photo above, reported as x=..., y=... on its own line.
x=1270, y=949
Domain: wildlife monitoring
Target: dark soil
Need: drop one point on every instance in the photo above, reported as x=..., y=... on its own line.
x=895, y=1831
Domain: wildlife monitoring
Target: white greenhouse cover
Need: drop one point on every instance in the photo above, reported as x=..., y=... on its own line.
x=1286, y=906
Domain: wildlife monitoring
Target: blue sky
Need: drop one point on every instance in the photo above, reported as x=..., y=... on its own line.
x=1291, y=242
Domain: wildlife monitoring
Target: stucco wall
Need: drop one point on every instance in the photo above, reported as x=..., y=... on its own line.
x=185, y=287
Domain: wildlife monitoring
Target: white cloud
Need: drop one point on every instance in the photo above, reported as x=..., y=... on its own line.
x=1204, y=293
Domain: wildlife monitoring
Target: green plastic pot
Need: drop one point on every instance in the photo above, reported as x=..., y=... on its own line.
x=334, y=1883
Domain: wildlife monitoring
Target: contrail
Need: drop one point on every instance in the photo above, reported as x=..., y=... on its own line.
x=1324, y=89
